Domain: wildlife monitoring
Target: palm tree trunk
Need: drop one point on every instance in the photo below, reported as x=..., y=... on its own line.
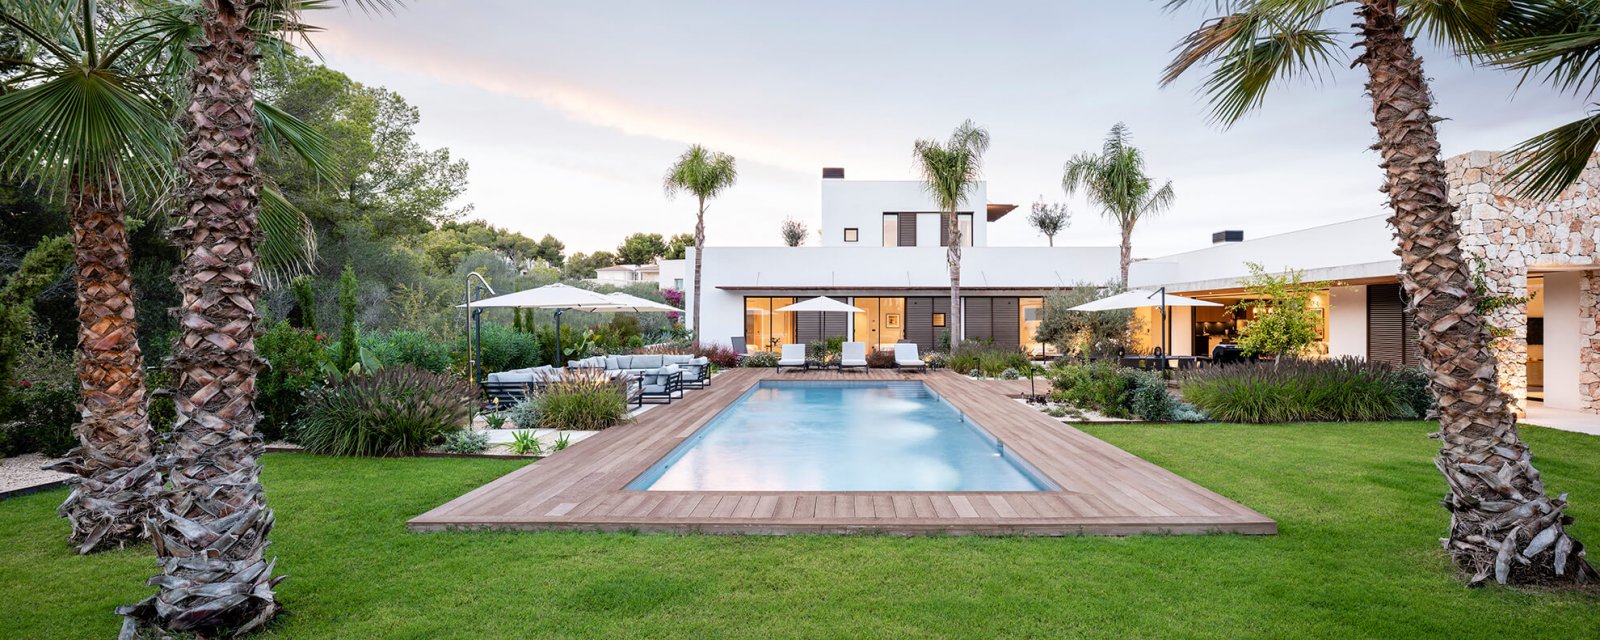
x=212, y=531
x=953, y=258
x=1502, y=522
x=1127, y=252
x=699, y=255
x=117, y=480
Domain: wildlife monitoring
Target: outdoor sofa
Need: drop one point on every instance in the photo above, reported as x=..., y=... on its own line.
x=696, y=371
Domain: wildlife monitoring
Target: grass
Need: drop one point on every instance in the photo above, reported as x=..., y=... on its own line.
x=1356, y=557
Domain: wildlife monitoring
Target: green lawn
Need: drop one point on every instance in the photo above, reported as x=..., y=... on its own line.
x=1356, y=556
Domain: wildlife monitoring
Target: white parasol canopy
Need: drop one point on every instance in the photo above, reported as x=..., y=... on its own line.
x=629, y=303
x=1136, y=298
x=550, y=296
x=821, y=303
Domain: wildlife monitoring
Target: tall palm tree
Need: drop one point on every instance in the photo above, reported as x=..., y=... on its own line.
x=706, y=174
x=1503, y=523
x=211, y=534
x=79, y=121
x=1115, y=181
x=950, y=172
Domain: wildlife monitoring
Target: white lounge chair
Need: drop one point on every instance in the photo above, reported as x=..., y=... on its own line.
x=905, y=357
x=794, y=357
x=854, y=356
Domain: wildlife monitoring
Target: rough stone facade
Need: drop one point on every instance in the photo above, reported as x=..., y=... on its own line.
x=1589, y=326
x=1509, y=235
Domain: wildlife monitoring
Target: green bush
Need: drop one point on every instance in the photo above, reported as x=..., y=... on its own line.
x=503, y=348
x=762, y=359
x=40, y=420
x=581, y=401
x=393, y=411
x=989, y=360
x=465, y=441
x=880, y=359
x=348, y=353
x=1341, y=389
x=1117, y=392
x=416, y=348
x=296, y=360
x=525, y=415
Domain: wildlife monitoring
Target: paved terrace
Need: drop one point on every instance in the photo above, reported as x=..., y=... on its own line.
x=1104, y=490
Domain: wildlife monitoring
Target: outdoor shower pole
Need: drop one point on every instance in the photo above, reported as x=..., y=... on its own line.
x=472, y=347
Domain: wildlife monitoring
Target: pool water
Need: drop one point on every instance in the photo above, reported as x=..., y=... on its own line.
x=840, y=436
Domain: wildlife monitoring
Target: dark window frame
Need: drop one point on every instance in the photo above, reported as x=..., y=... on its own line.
x=852, y=234
x=939, y=321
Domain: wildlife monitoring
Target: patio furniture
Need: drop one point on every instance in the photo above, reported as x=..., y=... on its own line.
x=697, y=371
x=905, y=357
x=506, y=389
x=740, y=350
x=661, y=386
x=500, y=396
x=1226, y=354
x=794, y=357
x=854, y=356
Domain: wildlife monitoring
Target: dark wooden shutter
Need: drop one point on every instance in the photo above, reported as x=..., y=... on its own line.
x=980, y=318
x=1390, y=335
x=808, y=326
x=919, y=321
x=1007, y=327
x=907, y=229
x=944, y=230
x=835, y=325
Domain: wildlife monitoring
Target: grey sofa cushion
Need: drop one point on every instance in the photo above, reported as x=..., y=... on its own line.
x=614, y=363
x=645, y=362
x=514, y=376
x=678, y=359
x=658, y=377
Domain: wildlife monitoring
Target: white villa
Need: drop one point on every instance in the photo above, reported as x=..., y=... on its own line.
x=883, y=250
x=665, y=274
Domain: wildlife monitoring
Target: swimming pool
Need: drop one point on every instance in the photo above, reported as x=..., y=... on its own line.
x=840, y=436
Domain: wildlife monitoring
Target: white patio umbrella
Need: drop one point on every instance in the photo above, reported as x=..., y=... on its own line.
x=562, y=297
x=822, y=303
x=1139, y=298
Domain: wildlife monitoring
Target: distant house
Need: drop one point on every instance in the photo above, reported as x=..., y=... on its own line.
x=665, y=274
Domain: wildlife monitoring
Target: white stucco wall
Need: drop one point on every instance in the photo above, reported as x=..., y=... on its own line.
x=1561, y=340
x=778, y=268
x=671, y=270
x=1347, y=321
x=1358, y=248
x=861, y=204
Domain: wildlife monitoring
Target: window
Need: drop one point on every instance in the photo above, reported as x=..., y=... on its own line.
x=677, y=283
x=938, y=319
x=764, y=329
x=880, y=326
x=852, y=234
x=963, y=223
x=891, y=230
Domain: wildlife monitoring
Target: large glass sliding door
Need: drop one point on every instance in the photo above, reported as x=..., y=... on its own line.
x=882, y=324
x=765, y=329
x=1030, y=314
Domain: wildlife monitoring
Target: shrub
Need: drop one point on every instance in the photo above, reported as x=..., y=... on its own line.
x=295, y=359
x=584, y=401
x=465, y=441
x=826, y=350
x=305, y=302
x=1341, y=389
x=525, y=415
x=163, y=411
x=503, y=348
x=1117, y=392
x=991, y=361
x=348, y=354
x=719, y=355
x=525, y=443
x=41, y=419
x=762, y=359
x=1419, y=397
x=415, y=348
x=1010, y=373
x=393, y=411
x=880, y=359
x=936, y=360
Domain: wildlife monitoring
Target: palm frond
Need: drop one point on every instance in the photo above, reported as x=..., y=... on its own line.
x=1470, y=27
x=284, y=133
x=289, y=247
x=1561, y=38
x=701, y=172
x=951, y=169
x=1554, y=160
x=85, y=125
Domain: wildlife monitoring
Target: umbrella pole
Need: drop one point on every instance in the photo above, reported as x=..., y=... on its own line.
x=560, y=360
x=1165, y=330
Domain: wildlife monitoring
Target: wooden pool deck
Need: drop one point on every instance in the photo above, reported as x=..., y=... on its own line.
x=1103, y=490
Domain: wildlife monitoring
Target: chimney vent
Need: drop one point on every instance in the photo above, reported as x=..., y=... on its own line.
x=833, y=173
x=1227, y=236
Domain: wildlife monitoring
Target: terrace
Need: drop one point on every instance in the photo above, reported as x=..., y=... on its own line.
x=1100, y=489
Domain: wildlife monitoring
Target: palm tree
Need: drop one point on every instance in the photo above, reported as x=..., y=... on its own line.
x=706, y=174
x=950, y=171
x=210, y=535
x=1503, y=523
x=1115, y=181
x=79, y=122
x=1557, y=37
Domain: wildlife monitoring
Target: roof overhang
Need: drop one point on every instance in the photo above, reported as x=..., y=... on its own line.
x=998, y=211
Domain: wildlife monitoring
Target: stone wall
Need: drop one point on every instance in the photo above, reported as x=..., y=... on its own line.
x=1509, y=235
x=1589, y=356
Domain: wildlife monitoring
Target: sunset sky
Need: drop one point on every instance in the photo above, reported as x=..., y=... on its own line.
x=569, y=113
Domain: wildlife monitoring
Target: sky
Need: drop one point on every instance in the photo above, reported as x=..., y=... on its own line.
x=571, y=112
